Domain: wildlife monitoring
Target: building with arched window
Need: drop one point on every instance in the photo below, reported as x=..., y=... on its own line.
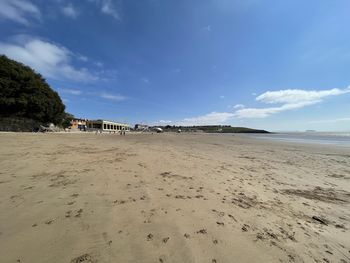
x=108, y=126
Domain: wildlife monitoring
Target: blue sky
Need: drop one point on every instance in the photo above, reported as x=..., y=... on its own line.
x=276, y=65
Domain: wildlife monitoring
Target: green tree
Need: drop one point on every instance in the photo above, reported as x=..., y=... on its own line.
x=66, y=120
x=25, y=94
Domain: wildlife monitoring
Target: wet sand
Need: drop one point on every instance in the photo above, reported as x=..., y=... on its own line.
x=171, y=198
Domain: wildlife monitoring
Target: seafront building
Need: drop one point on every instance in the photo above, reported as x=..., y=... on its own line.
x=78, y=124
x=108, y=126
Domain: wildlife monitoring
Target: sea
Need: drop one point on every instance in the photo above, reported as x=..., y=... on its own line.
x=341, y=139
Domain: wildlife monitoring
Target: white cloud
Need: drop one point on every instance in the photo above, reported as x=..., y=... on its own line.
x=290, y=99
x=164, y=121
x=296, y=95
x=112, y=97
x=49, y=59
x=265, y=112
x=71, y=91
x=238, y=106
x=108, y=8
x=70, y=11
x=213, y=118
x=209, y=119
x=19, y=11
x=81, y=57
x=222, y=96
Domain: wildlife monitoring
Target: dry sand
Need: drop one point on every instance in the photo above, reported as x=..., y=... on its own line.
x=171, y=198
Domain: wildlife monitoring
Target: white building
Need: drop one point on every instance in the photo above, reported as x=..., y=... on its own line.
x=108, y=126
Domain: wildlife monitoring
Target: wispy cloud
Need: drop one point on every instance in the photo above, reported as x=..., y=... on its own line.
x=81, y=57
x=176, y=70
x=209, y=119
x=70, y=11
x=109, y=9
x=49, y=59
x=297, y=95
x=238, y=106
x=168, y=122
x=145, y=80
x=20, y=11
x=290, y=99
x=115, y=97
x=222, y=97
x=71, y=91
x=212, y=118
x=207, y=28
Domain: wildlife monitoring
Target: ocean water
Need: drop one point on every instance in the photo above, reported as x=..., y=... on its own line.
x=326, y=138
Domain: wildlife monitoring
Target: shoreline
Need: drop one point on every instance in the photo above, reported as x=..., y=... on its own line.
x=271, y=137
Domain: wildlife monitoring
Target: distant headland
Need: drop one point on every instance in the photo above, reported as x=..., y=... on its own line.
x=211, y=129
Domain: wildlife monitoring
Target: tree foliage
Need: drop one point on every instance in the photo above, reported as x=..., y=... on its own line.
x=25, y=94
x=213, y=129
x=66, y=120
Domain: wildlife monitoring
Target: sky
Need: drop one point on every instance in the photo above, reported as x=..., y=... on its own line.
x=274, y=65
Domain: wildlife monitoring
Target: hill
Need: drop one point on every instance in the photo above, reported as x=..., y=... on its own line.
x=213, y=129
x=25, y=98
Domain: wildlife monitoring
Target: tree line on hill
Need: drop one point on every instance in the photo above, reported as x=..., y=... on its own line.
x=26, y=100
x=212, y=129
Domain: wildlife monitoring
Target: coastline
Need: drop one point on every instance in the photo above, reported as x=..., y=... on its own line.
x=340, y=139
x=172, y=198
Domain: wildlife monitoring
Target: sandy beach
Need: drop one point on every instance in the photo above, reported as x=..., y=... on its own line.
x=171, y=198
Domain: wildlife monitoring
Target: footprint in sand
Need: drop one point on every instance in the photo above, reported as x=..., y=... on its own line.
x=49, y=222
x=83, y=258
x=245, y=227
x=149, y=237
x=68, y=213
x=79, y=212
x=105, y=237
x=202, y=231
x=165, y=240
